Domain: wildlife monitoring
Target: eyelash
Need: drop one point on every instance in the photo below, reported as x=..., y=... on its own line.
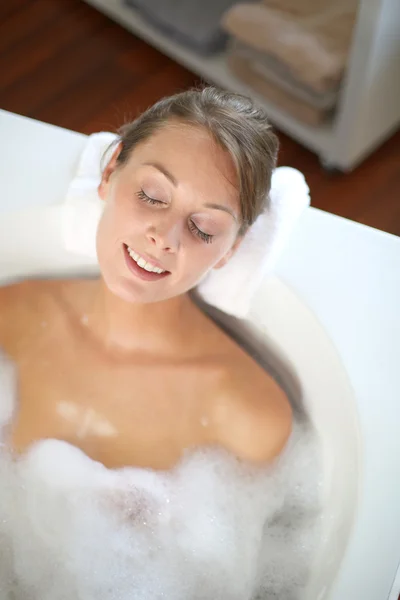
x=140, y=194
x=205, y=237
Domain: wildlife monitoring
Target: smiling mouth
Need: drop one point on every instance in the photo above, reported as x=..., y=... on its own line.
x=140, y=266
x=143, y=264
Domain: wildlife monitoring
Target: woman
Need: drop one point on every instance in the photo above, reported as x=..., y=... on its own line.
x=127, y=367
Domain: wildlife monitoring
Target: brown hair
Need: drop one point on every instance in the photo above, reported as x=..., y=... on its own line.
x=236, y=124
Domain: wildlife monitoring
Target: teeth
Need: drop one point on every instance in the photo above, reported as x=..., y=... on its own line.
x=143, y=264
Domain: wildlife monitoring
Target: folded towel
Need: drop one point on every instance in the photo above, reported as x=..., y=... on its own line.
x=276, y=73
x=252, y=73
x=312, y=41
x=230, y=288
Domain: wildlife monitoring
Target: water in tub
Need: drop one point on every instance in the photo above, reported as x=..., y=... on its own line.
x=211, y=528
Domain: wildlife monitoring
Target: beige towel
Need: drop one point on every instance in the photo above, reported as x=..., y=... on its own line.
x=277, y=73
x=246, y=70
x=311, y=38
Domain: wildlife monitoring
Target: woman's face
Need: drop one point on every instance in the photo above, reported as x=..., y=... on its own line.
x=173, y=207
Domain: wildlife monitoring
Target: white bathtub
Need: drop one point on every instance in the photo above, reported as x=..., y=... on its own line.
x=284, y=335
x=294, y=345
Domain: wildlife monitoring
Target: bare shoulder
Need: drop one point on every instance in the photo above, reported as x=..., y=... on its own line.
x=24, y=305
x=14, y=296
x=252, y=414
x=24, y=293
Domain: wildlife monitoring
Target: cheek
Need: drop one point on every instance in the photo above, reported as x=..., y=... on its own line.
x=122, y=217
x=201, y=258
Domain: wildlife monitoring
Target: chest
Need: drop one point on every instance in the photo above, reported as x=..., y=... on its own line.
x=141, y=411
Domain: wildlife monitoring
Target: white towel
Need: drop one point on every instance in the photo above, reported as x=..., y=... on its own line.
x=230, y=288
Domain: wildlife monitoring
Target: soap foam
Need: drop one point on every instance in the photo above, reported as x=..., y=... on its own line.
x=212, y=527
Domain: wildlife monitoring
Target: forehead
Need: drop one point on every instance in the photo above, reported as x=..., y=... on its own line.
x=194, y=158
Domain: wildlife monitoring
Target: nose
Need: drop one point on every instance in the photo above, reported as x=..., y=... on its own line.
x=165, y=237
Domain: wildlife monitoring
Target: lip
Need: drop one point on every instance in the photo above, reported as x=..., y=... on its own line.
x=142, y=273
x=151, y=260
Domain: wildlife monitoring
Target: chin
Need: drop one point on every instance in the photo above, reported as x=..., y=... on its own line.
x=124, y=290
x=127, y=291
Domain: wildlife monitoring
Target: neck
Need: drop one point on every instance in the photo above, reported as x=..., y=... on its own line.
x=159, y=327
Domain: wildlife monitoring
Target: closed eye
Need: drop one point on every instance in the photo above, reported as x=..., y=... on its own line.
x=145, y=198
x=206, y=237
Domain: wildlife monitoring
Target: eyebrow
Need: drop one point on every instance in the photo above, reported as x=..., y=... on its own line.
x=164, y=171
x=174, y=181
x=222, y=207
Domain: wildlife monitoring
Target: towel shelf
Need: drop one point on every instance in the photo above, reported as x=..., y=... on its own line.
x=369, y=110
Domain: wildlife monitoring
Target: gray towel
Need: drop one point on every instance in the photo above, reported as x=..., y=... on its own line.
x=193, y=23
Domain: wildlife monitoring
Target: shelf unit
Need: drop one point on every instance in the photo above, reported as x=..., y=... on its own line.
x=369, y=109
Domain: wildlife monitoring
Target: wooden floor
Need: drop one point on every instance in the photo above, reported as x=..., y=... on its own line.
x=64, y=63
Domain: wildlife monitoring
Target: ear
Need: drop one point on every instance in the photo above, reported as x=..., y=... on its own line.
x=108, y=171
x=230, y=253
